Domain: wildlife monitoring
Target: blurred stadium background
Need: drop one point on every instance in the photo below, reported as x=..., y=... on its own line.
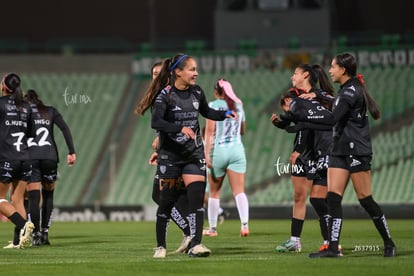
x=91, y=60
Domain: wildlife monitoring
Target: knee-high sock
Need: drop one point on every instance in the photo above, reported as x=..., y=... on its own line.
x=321, y=208
x=163, y=220
x=195, y=194
x=377, y=216
x=179, y=213
x=213, y=211
x=34, y=209
x=47, y=209
x=243, y=208
x=335, y=212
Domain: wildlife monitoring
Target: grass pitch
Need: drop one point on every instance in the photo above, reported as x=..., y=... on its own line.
x=126, y=248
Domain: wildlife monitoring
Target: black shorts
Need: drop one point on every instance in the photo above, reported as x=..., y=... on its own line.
x=350, y=163
x=304, y=169
x=321, y=171
x=167, y=170
x=44, y=171
x=15, y=170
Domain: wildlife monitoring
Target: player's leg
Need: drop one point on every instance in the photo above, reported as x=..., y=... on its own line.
x=362, y=185
x=48, y=170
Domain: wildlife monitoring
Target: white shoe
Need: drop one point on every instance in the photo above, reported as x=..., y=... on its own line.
x=160, y=252
x=199, y=251
x=184, y=244
x=11, y=246
x=26, y=238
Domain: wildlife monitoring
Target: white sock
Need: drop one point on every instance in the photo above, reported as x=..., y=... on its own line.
x=295, y=238
x=243, y=208
x=213, y=211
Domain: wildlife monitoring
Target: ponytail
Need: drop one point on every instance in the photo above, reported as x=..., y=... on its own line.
x=12, y=85
x=33, y=98
x=370, y=102
x=165, y=77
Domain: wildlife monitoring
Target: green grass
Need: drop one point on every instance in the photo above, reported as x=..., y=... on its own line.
x=126, y=248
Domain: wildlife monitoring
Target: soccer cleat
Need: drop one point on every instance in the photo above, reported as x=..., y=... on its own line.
x=11, y=246
x=37, y=239
x=199, y=250
x=184, y=244
x=244, y=232
x=210, y=233
x=289, y=245
x=390, y=250
x=160, y=252
x=323, y=247
x=327, y=253
x=26, y=238
x=45, y=238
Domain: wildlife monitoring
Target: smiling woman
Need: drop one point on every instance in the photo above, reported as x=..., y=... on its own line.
x=175, y=111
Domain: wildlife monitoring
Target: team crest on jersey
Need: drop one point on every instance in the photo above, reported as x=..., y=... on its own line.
x=196, y=105
x=163, y=169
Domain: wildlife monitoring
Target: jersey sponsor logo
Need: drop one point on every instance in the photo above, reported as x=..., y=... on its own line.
x=355, y=162
x=176, y=108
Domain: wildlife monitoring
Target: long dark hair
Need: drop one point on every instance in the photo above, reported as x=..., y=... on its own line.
x=33, y=98
x=349, y=63
x=11, y=83
x=318, y=75
x=165, y=77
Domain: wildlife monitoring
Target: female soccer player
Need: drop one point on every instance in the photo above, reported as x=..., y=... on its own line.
x=225, y=155
x=175, y=111
x=304, y=81
x=45, y=159
x=14, y=156
x=351, y=152
x=179, y=210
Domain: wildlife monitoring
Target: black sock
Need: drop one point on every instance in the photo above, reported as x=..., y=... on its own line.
x=47, y=209
x=18, y=220
x=321, y=208
x=33, y=209
x=16, y=236
x=161, y=227
x=180, y=211
x=195, y=194
x=335, y=212
x=296, y=227
x=378, y=218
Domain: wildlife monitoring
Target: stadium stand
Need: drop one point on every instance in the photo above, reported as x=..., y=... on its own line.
x=86, y=101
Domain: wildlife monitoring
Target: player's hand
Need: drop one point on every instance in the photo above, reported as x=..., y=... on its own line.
x=188, y=132
x=231, y=114
x=71, y=159
x=155, y=143
x=208, y=162
x=153, y=159
x=275, y=119
x=293, y=157
x=308, y=96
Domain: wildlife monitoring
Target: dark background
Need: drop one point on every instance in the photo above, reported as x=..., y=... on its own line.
x=165, y=24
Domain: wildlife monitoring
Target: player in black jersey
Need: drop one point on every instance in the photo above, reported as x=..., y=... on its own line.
x=175, y=111
x=179, y=210
x=350, y=156
x=14, y=156
x=45, y=159
x=305, y=80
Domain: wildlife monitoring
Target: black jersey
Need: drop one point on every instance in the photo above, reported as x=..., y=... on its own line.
x=14, y=130
x=351, y=131
x=349, y=119
x=42, y=145
x=174, y=109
